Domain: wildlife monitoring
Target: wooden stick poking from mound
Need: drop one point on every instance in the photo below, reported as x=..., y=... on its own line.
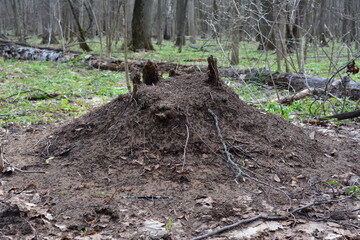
x=213, y=72
x=1, y=159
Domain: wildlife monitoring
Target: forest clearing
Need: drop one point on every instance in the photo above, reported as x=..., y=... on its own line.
x=197, y=139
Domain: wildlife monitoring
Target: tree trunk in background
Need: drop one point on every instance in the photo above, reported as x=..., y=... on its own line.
x=191, y=20
x=89, y=4
x=321, y=24
x=160, y=21
x=47, y=34
x=298, y=27
x=75, y=9
x=203, y=15
x=279, y=30
x=168, y=20
x=141, y=26
x=235, y=32
x=348, y=22
x=180, y=23
x=216, y=20
x=19, y=31
x=266, y=35
x=357, y=27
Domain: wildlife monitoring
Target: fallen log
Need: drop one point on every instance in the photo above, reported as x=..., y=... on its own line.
x=23, y=51
x=343, y=116
x=5, y=41
x=298, y=82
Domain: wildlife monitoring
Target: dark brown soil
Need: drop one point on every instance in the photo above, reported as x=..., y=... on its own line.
x=164, y=144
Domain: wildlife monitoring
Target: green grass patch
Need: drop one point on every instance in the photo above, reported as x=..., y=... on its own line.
x=79, y=89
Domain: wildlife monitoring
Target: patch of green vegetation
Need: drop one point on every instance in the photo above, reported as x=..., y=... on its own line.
x=309, y=107
x=353, y=191
x=79, y=89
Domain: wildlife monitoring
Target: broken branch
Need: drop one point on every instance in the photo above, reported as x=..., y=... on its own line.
x=228, y=157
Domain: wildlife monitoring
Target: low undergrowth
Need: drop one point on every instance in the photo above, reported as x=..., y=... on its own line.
x=35, y=92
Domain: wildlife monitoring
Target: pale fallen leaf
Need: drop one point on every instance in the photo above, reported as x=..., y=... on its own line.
x=293, y=183
x=154, y=229
x=312, y=135
x=288, y=223
x=206, y=202
x=276, y=178
x=61, y=227
x=49, y=217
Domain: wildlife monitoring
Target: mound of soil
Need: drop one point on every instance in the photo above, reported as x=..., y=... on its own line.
x=163, y=145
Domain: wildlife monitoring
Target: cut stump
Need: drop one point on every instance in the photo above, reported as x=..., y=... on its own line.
x=150, y=73
x=213, y=72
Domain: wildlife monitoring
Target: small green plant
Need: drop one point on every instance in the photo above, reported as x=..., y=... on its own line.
x=169, y=225
x=349, y=190
x=355, y=191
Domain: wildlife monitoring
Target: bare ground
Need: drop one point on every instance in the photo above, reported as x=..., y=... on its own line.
x=158, y=159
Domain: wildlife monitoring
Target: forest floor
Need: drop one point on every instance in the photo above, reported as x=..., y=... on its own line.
x=155, y=167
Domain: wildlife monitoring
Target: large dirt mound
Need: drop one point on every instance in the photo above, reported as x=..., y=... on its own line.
x=163, y=121
x=163, y=145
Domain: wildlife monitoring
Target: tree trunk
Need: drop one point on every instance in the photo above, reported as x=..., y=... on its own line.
x=235, y=32
x=141, y=26
x=19, y=31
x=47, y=34
x=180, y=23
x=357, y=27
x=75, y=9
x=321, y=24
x=160, y=21
x=266, y=35
x=168, y=31
x=279, y=30
x=191, y=21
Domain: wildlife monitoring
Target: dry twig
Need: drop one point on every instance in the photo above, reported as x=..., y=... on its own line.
x=228, y=157
x=186, y=143
x=1, y=159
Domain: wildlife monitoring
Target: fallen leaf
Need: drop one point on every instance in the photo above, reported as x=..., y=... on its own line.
x=206, y=202
x=91, y=222
x=293, y=183
x=288, y=223
x=312, y=135
x=61, y=227
x=49, y=217
x=276, y=178
x=295, y=179
x=153, y=156
x=154, y=229
x=148, y=168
